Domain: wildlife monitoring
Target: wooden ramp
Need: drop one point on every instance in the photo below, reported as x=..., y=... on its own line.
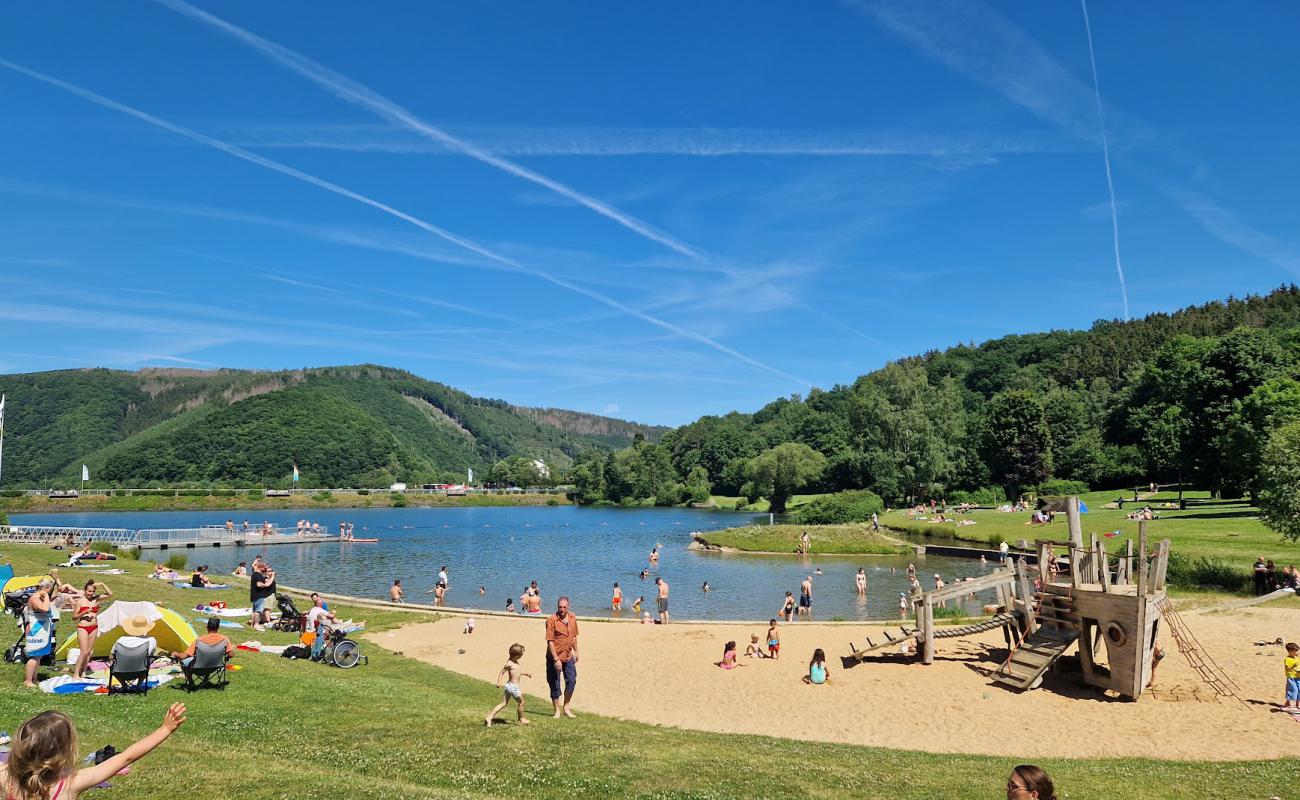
x=1025, y=668
x=890, y=641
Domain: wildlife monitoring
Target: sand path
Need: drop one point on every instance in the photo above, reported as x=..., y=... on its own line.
x=665, y=676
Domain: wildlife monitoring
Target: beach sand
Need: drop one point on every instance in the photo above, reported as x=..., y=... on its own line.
x=665, y=675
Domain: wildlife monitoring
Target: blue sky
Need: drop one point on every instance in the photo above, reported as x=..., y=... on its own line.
x=655, y=211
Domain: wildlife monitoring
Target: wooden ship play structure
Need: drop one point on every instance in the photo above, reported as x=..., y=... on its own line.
x=1111, y=607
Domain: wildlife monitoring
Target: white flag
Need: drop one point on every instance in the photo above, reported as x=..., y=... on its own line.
x=85, y=472
x=295, y=473
x=471, y=475
x=2, y=413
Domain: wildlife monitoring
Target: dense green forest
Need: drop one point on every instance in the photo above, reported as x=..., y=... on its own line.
x=1192, y=396
x=342, y=426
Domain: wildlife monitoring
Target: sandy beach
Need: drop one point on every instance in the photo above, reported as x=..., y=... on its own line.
x=666, y=676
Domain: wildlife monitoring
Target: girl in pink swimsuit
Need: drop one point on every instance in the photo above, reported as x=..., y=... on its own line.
x=43, y=759
x=729, y=657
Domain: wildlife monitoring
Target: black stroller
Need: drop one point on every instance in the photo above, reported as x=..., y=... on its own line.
x=16, y=604
x=290, y=621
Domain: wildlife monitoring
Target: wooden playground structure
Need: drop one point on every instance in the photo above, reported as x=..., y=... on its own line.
x=1110, y=607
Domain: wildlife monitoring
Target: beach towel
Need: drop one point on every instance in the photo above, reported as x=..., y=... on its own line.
x=183, y=585
x=224, y=623
x=213, y=611
x=66, y=684
x=40, y=635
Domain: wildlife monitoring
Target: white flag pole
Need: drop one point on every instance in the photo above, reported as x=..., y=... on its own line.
x=2, y=431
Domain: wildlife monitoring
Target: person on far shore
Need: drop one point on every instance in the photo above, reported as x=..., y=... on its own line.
x=562, y=656
x=861, y=580
x=773, y=640
x=817, y=672
x=512, y=672
x=1291, y=665
x=1028, y=782
x=875, y=522
x=616, y=604
x=805, y=543
x=396, y=592
x=662, y=600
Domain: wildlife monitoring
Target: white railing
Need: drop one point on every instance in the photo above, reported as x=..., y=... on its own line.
x=44, y=534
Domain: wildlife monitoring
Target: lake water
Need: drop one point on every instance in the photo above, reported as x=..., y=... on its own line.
x=580, y=552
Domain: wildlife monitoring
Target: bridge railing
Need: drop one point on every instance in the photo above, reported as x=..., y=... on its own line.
x=49, y=534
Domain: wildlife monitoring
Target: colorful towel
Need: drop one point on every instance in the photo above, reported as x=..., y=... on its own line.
x=225, y=624
x=66, y=684
x=223, y=612
x=183, y=585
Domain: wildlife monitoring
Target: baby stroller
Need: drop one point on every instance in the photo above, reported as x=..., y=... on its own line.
x=290, y=621
x=15, y=603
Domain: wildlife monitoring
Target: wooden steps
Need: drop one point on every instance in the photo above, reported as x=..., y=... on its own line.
x=907, y=634
x=1025, y=668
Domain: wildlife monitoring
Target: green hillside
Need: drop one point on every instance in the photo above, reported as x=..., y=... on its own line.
x=343, y=426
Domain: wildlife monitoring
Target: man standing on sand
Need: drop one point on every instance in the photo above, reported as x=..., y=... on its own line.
x=805, y=598
x=663, y=600
x=562, y=656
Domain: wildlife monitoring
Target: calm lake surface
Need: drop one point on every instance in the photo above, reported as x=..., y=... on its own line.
x=580, y=552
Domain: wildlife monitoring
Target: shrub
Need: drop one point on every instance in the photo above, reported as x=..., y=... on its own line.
x=13, y=493
x=399, y=499
x=1206, y=573
x=552, y=501
x=323, y=496
x=987, y=496
x=193, y=493
x=1059, y=486
x=4, y=518
x=176, y=561
x=223, y=492
x=101, y=546
x=841, y=507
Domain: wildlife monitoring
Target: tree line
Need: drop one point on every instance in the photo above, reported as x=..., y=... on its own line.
x=1195, y=396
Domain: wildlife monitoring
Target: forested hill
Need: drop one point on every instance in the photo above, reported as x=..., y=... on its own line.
x=343, y=426
x=1192, y=394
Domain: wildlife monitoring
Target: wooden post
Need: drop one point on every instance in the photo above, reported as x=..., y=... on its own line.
x=1026, y=596
x=1076, y=540
x=1045, y=557
x=1104, y=562
x=1142, y=562
x=1094, y=569
x=927, y=627
x=1160, y=566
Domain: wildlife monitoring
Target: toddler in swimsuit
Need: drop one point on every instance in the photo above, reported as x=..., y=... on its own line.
x=729, y=657
x=511, y=672
x=773, y=641
x=753, y=650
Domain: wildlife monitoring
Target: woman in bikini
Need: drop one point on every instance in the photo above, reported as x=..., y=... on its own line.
x=87, y=616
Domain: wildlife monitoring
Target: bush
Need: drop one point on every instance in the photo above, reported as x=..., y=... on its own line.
x=323, y=496
x=193, y=493
x=13, y=493
x=1206, y=573
x=552, y=501
x=841, y=507
x=1059, y=487
x=223, y=492
x=988, y=496
x=176, y=561
x=4, y=518
x=399, y=500
x=102, y=547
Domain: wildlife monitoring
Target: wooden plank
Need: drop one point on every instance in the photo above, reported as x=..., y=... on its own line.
x=1104, y=560
x=1076, y=540
x=961, y=588
x=1141, y=564
x=1026, y=596
x=1161, y=566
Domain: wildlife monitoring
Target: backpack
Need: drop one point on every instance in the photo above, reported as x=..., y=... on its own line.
x=296, y=651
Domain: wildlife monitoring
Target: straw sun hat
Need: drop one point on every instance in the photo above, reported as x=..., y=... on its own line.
x=138, y=625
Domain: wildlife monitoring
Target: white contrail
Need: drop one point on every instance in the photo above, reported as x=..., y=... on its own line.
x=358, y=94
x=284, y=169
x=1105, y=151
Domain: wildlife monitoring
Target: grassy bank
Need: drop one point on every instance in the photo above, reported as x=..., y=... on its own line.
x=832, y=539
x=42, y=505
x=397, y=728
x=1227, y=530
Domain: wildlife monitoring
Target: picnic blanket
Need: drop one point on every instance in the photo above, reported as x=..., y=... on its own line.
x=224, y=623
x=223, y=612
x=66, y=684
x=184, y=585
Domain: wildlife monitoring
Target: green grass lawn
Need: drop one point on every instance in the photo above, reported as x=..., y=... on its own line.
x=397, y=728
x=836, y=539
x=1229, y=530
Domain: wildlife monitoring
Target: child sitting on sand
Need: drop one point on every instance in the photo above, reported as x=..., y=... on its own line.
x=753, y=650
x=729, y=657
x=512, y=672
x=773, y=641
x=817, y=672
x=469, y=625
x=43, y=759
x=1291, y=664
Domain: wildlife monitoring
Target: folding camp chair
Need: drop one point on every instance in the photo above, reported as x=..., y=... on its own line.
x=129, y=666
x=208, y=665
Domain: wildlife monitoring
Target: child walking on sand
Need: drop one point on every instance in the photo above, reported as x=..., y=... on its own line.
x=752, y=650
x=1292, y=666
x=512, y=672
x=43, y=761
x=817, y=672
x=773, y=641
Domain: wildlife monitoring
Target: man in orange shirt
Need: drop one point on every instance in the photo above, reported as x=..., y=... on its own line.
x=562, y=655
x=211, y=637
